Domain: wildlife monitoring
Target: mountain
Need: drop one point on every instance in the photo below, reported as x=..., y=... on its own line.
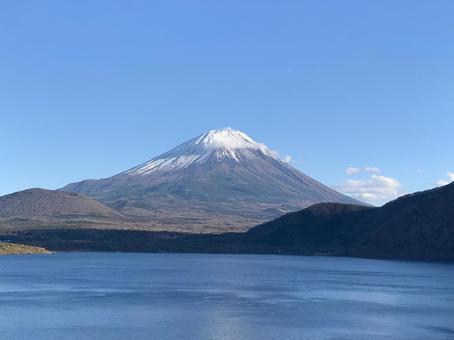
x=41, y=203
x=416, y=226
x=220, y=181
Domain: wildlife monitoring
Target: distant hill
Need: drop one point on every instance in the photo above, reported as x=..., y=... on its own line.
x=419, y=225
x=220, y=181
x=41, y=203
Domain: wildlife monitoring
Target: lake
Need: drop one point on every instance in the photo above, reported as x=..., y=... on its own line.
x=195, y=296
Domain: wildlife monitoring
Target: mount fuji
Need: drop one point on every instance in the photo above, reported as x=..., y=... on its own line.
x=220, y=181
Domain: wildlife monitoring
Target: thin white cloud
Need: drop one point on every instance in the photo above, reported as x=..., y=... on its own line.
x=442, y=182
x=287, y=159
x=352, y=170
x=374, y=189
x=372, y=169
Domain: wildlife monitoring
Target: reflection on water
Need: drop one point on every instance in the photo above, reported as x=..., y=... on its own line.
x=193, y=296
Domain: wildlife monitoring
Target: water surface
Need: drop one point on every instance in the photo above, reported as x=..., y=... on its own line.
x=194, y=296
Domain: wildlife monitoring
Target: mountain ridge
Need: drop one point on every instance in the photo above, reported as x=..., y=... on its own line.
x=418, y=225
x=415, y=227
x=38, y=202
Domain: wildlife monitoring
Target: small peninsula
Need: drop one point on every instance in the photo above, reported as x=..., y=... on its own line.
x=20, y=249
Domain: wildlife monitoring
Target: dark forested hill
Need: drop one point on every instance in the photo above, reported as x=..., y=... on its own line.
x=419, y=225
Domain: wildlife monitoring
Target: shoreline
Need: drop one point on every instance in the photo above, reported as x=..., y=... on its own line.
x=87, y=251
x=7, y=248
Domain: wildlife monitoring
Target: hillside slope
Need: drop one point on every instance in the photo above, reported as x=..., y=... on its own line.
x=37, y=203
x=419, y=225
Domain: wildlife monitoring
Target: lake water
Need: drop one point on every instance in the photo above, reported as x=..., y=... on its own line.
x=193, y=296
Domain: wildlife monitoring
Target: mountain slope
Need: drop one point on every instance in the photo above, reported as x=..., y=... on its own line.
x=220, y=181
x=39, y=203
x=415, y=226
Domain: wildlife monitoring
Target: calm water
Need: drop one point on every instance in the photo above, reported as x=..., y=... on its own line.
x=180, y=296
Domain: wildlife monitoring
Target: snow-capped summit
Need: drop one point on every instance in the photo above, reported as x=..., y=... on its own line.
x=230, y=139
x=222, y=180
x=215, y=145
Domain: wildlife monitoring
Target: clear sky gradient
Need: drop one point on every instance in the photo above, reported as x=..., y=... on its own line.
x=91, y=88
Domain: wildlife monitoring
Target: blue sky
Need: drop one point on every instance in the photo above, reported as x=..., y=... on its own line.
x=90, y=88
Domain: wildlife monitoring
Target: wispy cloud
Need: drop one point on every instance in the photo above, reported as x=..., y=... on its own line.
x=372, y=169
x=446, y=181
x=352, y=170
x=287, y=159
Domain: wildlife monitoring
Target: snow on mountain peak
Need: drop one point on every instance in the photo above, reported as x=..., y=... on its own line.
x=221, y=144
x=228, y=138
